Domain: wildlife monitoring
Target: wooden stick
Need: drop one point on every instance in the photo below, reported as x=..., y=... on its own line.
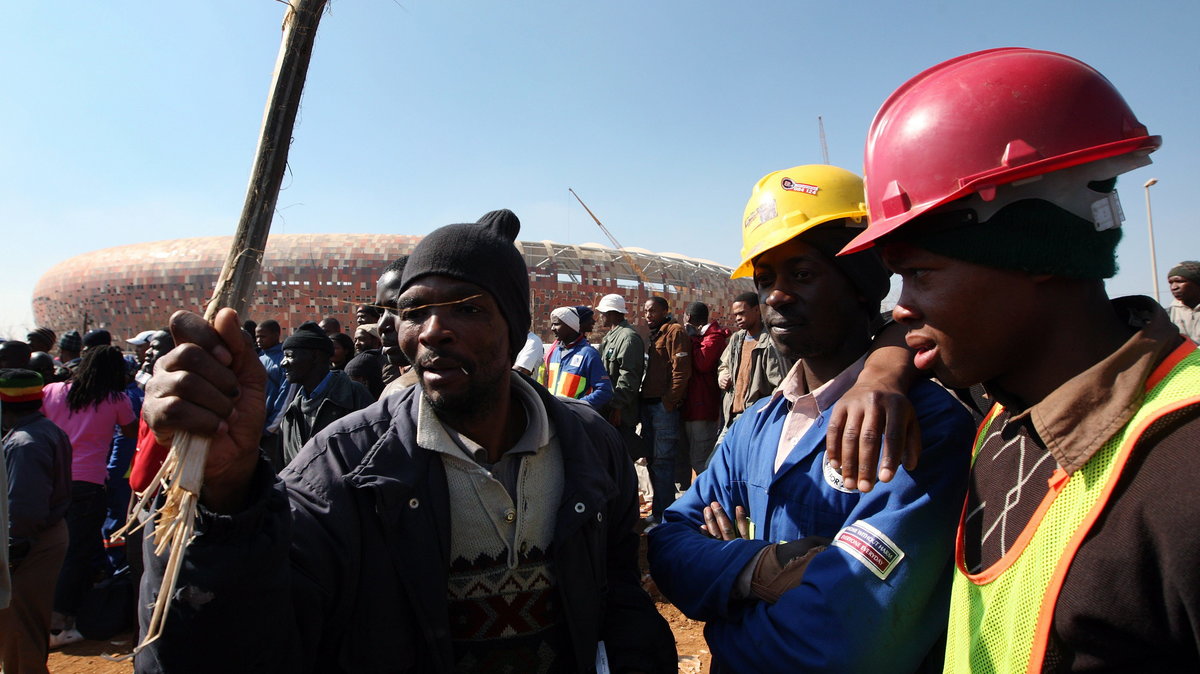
x=238, y=277
x=184, y=467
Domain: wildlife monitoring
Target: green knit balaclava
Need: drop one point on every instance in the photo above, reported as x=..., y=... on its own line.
x=1030, y=235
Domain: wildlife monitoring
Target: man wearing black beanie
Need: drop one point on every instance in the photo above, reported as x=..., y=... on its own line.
x=483, y=254
x=470, y=523
x=322, y=396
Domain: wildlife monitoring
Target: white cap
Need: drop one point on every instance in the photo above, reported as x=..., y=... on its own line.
x=612, y=303
x=567, y=316
x=141, y=338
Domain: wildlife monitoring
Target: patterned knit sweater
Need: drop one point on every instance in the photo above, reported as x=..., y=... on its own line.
x=504, y=601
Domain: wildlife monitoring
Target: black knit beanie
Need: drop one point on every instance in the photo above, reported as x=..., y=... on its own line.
x=1031, y=235
x=481, y=253
x=309, y=336
x=71, y=341
x=366, y=366
x=1188, y=269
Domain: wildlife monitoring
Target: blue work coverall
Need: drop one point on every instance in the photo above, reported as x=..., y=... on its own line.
x=842, y=617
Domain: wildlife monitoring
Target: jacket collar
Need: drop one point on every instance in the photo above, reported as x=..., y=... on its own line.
x=24, y=420
x=396, y=465
x=1077, y=418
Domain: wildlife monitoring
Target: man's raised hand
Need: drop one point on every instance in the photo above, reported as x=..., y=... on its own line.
x=212, y=384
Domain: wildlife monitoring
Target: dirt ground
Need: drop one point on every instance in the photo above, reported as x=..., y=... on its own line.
x=93, y=657
x=89, y=657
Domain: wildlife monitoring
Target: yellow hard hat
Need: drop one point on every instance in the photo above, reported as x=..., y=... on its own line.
x=789, y=202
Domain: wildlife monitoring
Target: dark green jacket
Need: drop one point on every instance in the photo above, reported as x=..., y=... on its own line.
x=624, y=355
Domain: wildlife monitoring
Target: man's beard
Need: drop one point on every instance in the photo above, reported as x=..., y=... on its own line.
x=472, y=403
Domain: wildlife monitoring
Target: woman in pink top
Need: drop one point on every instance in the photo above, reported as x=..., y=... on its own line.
x=87, y=408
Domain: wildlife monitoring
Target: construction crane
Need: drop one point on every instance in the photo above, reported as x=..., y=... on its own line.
x=616, y=244
x=824, y=145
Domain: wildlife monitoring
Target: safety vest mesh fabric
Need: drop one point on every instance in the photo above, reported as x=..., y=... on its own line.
x=566, y=384
x=994, y=625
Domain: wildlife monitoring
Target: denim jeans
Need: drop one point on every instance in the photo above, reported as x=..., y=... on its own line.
x=696, y=446
x=660, y=430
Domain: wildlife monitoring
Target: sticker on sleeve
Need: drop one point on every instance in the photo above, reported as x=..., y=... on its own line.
x=868, y=544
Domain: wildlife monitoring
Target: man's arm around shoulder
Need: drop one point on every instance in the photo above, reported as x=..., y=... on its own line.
x=848, y=614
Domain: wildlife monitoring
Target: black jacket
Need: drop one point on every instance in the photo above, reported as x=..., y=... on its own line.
x=342, y=396
x=37, y=454
x=352, y=577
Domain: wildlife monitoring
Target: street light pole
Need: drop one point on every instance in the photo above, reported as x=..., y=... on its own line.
x=1150, y=227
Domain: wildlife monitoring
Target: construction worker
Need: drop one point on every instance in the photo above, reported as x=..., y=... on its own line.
x=817, y=575
x=990, y=183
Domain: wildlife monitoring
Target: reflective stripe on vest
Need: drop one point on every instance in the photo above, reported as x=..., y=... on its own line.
x=1000, y=619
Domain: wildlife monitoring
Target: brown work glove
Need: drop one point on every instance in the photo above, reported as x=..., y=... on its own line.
x=782, y=566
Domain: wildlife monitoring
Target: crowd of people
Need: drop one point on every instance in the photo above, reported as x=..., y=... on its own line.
x=439, y=490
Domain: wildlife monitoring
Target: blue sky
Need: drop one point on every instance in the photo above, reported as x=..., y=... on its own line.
x=127, y=121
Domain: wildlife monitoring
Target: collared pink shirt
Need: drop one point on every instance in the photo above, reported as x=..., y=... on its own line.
x=806, y=406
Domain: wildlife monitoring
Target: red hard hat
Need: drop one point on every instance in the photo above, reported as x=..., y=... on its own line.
x=987, y=119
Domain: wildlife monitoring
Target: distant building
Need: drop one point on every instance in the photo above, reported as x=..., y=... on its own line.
x=128, y=289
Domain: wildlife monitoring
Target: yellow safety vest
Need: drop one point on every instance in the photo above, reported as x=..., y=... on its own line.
x=1000, y=618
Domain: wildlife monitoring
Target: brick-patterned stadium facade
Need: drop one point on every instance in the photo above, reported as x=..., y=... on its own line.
x=132, y=288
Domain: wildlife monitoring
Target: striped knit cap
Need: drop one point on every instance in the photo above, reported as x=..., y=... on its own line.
x=1188, y=269
x=71, y=341
x=20, y=386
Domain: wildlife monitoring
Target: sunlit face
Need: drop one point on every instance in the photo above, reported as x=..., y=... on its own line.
x=807, y=303
x=160, y=343
x=457, y=340
x=298, y=364
x=1185, y=290
x=366, y=313
x=968, y=323
x=563, y=332
x=387, y=291
x=746, y=317
x=654, y=314
x=365, y=341
x=266, y=338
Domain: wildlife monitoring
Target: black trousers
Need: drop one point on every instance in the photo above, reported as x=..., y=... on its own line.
x=85, y=551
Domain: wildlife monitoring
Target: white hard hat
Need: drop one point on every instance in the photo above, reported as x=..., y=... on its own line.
x=612, y=303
